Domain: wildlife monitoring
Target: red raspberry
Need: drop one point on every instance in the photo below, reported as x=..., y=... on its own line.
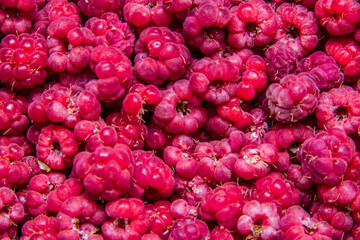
x=346, y=192
x=224, y=204
x=95, y=8
x=189, y=228
x=60, y=104
x=339, y=18
x=129, y=219
x=254, y=160
x=160, y=55
x=13, y=110
x=147, y=13
x=298, y=28
x=109, y=30
x=346, y=51
x=114, y=178
x=41, y=226
x=159, y=216
x=297, y=223
x=293, y=98
x=338, y=108
x=12, y=21
x=23, y=60
x=180, y=110
x=253, y=24
x=152, y=177
x=56, y=147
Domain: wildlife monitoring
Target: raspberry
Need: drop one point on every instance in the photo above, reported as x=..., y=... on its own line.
x=13, y=119
x=274, y=188
x=180, y=110
x=160, y=55
x=221, y=234
x=114, y=178
x=338, y=109
x=189, y=228
x=60, y=104
x=96, y=8
x=185, y=164
x=293, y=98
x=259, y=220
x=152, y=177
x=23, y=60
x=12, y=22
x=40, y=226
x=339, y=18
x=254, y=161
x=298, y=28
x=129, y=219
x=297, y=223
x=344, y=193
x=224, y=204
x=253, y=24
x=281, y=61
x=56, y=147
x=160, y=217
x=325, y=156
x=110, y=31
x=147, y=13
x=345, y=50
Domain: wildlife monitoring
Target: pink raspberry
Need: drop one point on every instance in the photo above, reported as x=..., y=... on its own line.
x=13, y=110
x=56, y=147
x=221, y=234
x=297, y=223
x=60, y=104
x=224, y=204
x=293, y=98
x=254, y=160
x=160, y=55
x=276, y=189
x=186, y=165
x=152, y=177
x=345, y=50
x=253, y=24
x=338, y=108
x=24, y=59
x=109, y=30
x=281, y=61
x=114, y=180
x=339, y=18
x=298, y=28
x=259, y=220
x=346, y=192
x=232, y=110
x=129, y=219
x=12, y=22
x=324, y=70
x=325, y=156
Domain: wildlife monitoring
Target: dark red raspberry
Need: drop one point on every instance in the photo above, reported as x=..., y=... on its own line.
x=113, y=180
x=253, y=24
x=293, y=98
x=339, y=18
x=298, y=28
x=338, y=108
x=23, y=60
